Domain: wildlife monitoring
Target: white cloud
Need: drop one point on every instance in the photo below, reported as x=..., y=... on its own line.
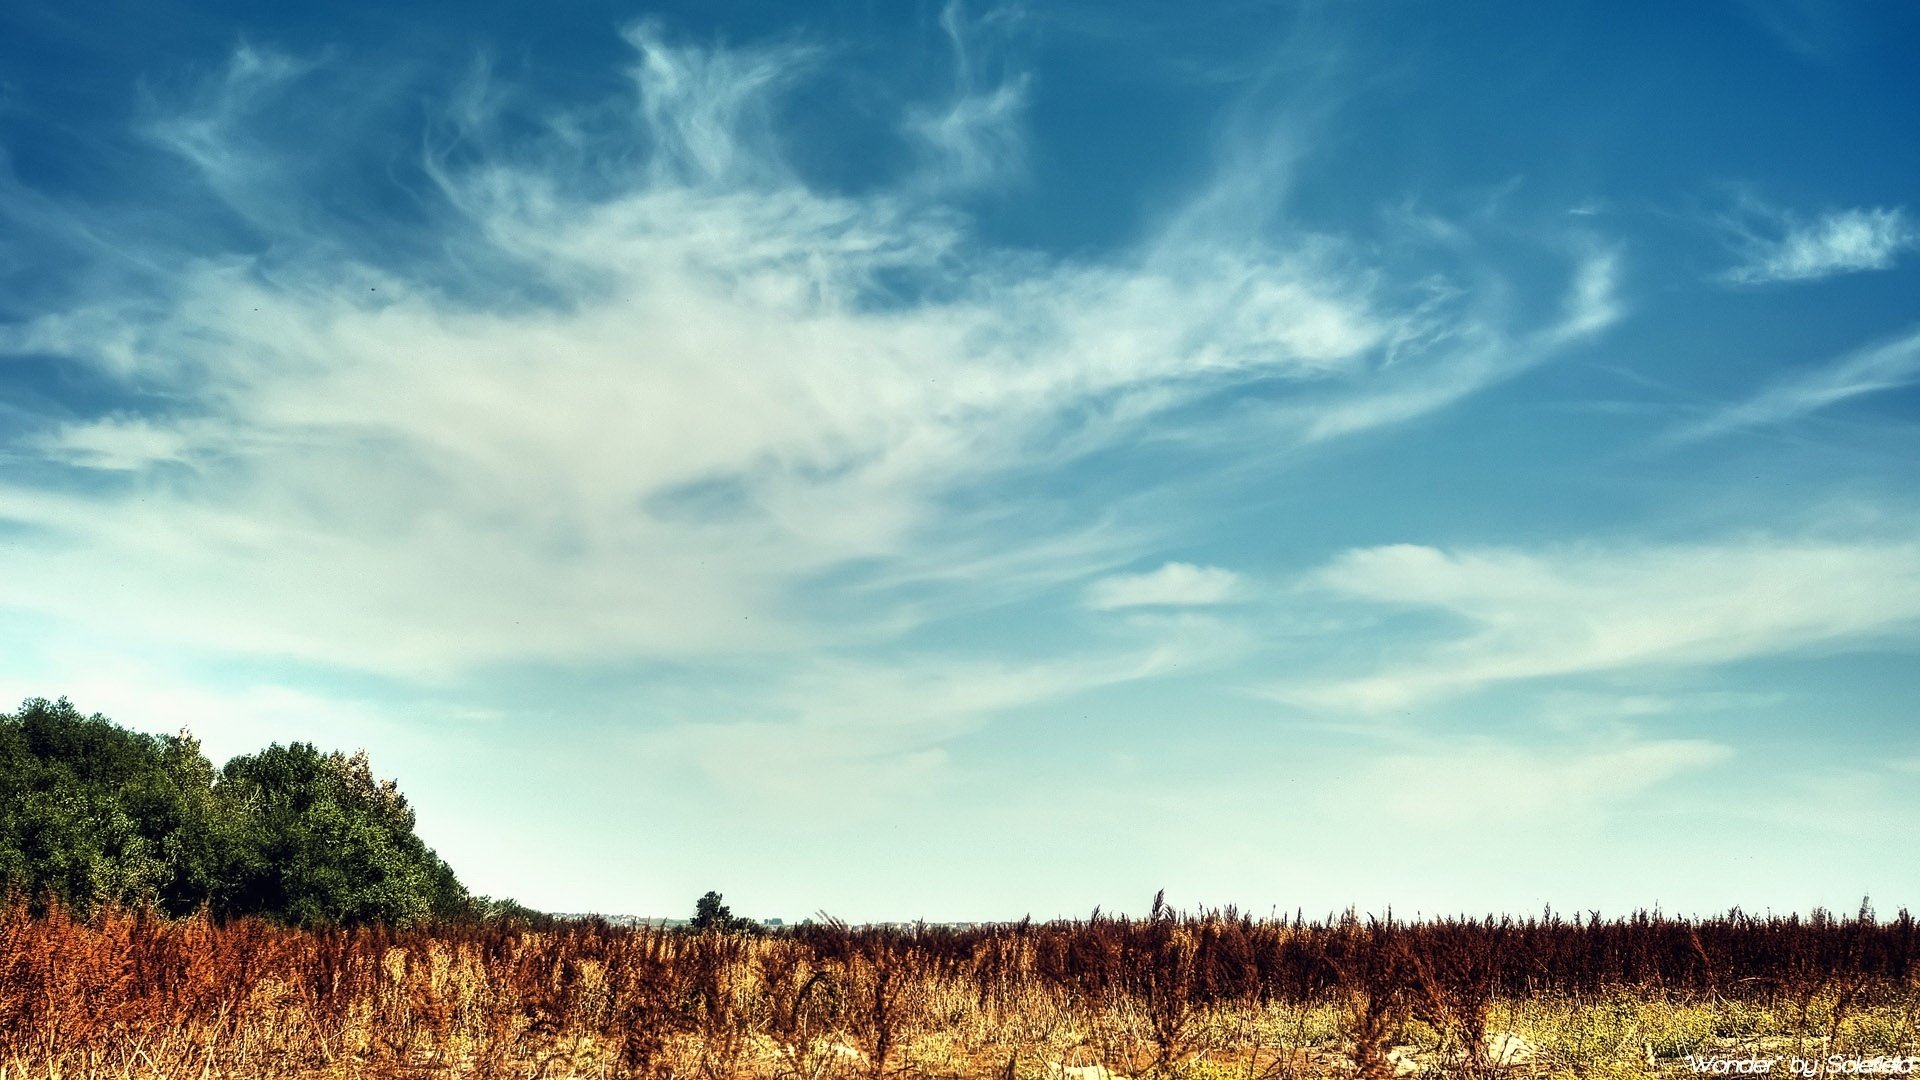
x=848, y=738
x=1888, y=365
x=1486, y=782
x=975, y=138
x=707, y=110
x=649, y=401
x=1837, y=242
x=1477, y=353
x=120, y=444
x=1176, y=584
x=1572, y=611
x=1593, y=303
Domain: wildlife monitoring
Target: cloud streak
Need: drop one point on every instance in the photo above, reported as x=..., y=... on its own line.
x=1176, y=584
x=1527, y=615
x=1790, y=249
x=975, y=138
x=1888, y=365
x=838, y=737
x=1487, y=783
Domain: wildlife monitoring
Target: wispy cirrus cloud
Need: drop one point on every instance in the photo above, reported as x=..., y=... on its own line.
x=621, y=383
x=1175, y=584
x=1488, y=783
x=1887, y=365
x=1778, y=246
x=833, y=736
x=975, y=137
x=1573, y=611
x=116, y=444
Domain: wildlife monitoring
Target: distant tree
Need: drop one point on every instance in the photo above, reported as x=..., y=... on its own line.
x=710, y=914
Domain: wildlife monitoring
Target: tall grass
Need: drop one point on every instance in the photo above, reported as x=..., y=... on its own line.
x=1211, y=995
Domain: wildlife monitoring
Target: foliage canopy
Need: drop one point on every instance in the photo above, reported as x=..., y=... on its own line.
x=93, y=814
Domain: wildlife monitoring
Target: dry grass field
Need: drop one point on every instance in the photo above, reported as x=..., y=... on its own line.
x=1213, y=996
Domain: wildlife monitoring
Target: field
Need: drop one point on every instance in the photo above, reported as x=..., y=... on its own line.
x=1210, y=996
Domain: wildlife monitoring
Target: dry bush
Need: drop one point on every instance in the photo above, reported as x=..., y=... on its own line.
x=1215, y=994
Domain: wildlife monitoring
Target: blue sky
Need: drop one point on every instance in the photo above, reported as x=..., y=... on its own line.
x=961, y=462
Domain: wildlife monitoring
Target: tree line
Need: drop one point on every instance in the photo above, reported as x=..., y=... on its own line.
x=93, y=814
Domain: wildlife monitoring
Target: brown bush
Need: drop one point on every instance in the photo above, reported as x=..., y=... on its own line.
x=131, y=994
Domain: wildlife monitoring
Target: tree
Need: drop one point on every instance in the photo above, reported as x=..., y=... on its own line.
x=93, y=814
x=710, y=914
x=320, y=841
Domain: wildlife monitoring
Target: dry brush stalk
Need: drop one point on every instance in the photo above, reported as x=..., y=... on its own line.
x=131, y=994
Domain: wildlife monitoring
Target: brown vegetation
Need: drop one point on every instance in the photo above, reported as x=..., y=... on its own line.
x=1214, y=996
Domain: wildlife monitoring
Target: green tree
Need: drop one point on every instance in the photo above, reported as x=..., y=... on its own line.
x=318, y=840
x=92, y=814
x=710, y=914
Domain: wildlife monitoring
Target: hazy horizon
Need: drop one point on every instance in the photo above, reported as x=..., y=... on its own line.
x=987, y=460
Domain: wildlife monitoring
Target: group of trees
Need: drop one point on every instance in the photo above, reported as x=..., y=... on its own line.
x=92, y=813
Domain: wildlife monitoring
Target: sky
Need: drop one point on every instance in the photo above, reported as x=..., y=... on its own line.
x=961, y=462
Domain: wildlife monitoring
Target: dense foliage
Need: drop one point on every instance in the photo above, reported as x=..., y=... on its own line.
x=93, y=814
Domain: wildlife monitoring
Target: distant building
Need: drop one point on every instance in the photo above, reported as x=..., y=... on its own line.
x=620, y=920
